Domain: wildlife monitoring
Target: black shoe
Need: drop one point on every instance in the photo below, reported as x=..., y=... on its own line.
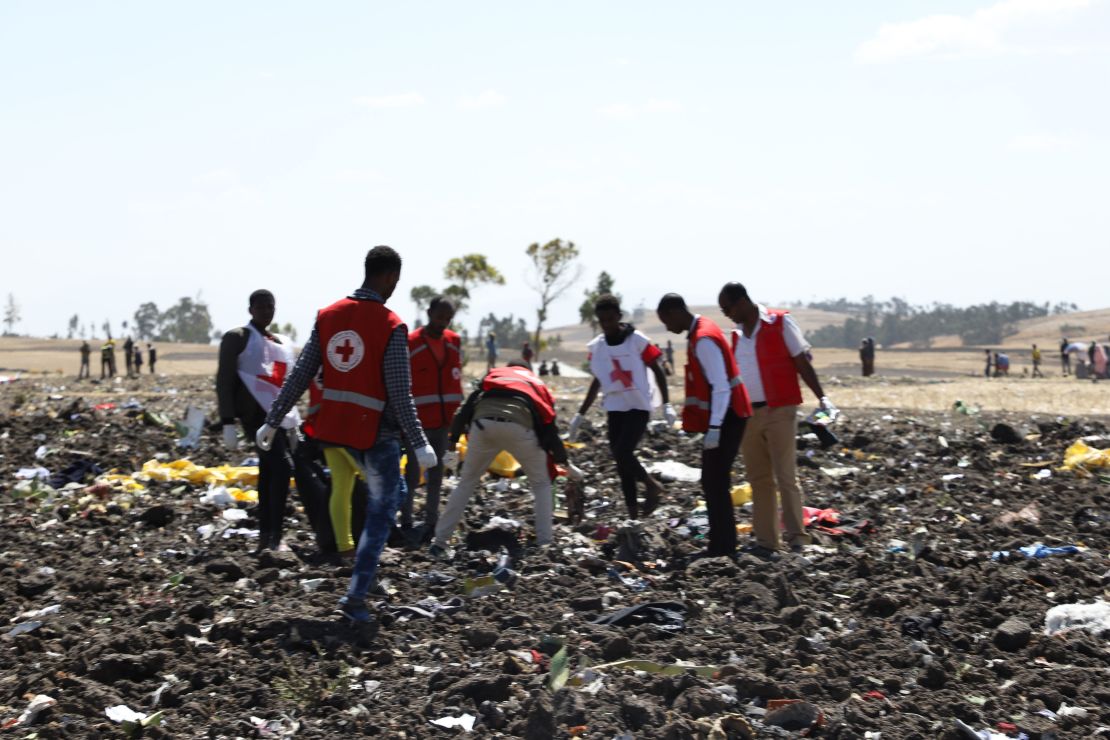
x=761, y=552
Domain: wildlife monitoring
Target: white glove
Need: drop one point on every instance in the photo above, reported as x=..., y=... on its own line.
x=574, y=473
x=575, y=424
x=713, y=438
x=427, y=458
x=829, y=408
x=231, y=437
x=264, y=438
x=669, y=414
x=451, y=459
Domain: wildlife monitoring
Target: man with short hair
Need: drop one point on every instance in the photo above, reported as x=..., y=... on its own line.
x=771, y=351
x=620, y=359
x=717, y=406
x=435, y=358
x=253, y=363
x=512, y=411
x=366, y=405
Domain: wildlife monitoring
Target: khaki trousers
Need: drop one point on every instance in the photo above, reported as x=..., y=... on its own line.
x=485, y=439
x=769, y=450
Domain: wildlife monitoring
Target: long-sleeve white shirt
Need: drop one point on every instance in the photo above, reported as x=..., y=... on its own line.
x=713, y=365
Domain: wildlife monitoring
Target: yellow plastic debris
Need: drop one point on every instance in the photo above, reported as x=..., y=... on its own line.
x=741, y=494
x=1081, y=458
x=185, y=470
x=504, y=465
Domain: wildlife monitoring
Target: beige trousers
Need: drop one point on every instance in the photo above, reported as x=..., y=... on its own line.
x=769, y=450
x=484, y=444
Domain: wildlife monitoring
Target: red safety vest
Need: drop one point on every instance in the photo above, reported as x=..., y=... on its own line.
x=315, y=399
x=776, y=366
x=353, y=336
x=436, y=388
x=523, y=382
x=695, y=413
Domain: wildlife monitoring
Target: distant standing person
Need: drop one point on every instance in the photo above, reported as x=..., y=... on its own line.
x=1065, y=357
x=129, y=356
x=1037, y=363
x=622, y=361
x=1098, y=360
x=86, y=350
x=771, y=354
x=253, y=363
x=1001, y=364
x=152, y=356
x=989, y=366
x=526, y=353
x=107, y=359
x=554, y=367
x=491, y=351
x=669, y=352
x=717, y=406
x=867, y=356
x=138, y=361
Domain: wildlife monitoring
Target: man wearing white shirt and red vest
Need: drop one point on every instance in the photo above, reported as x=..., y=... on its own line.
x=771, y=354
x=365, y=405
x=621, y=359
x=716, y=405
x=435, y=355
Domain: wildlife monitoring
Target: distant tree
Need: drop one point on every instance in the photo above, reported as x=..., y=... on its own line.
x=286, y=329
x=188, y=321
x=586, y=310
x=510, y=331
x=148, y=321
x=11, y=315
x=71, y=329
x=422, y=295
x=555, y=269
x=107, y=327
x=466, y=272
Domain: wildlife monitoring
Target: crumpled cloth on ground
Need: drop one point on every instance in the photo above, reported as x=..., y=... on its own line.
x=667, y=615
x=75, y=473
x=920, y=626
x=428, y=608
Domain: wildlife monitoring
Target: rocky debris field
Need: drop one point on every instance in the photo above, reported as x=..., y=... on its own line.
x=134, y=606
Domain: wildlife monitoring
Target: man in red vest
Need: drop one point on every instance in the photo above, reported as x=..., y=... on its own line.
x=365, y=407
x=435, y=356
x=771, y=353
x=512, y=411
x=717, y=406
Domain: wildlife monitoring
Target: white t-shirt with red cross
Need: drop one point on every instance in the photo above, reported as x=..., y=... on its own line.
x=622, y=371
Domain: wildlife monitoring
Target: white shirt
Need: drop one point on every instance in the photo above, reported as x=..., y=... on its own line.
x=713, y=365
x=622, y=371
x=746, y=359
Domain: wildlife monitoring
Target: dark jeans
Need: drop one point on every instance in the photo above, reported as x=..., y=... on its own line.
x=716, y=469
x=433, y=481
x=626, y=429
x=275, y=466
x=381, y=466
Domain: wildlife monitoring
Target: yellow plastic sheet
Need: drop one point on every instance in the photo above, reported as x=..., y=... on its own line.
x=190, y=472
x=1082, y=458
x=504, y=465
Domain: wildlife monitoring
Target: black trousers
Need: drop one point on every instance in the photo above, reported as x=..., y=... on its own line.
x=626, y=429
x=275, y=466
x=716, y=469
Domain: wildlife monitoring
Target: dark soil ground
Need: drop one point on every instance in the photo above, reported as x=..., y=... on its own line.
x=229, y=644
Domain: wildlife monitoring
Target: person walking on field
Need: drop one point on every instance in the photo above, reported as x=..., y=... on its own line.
x=620, y=359
x=1065, y=357
x=867, y=356
x=108, y=359
x=366, y=404
x=717, y=406
x=491, y=351
x=512, y=411
x=771, y=354
x=990, y=364
x=527, y=354
x=86, y=350
x=253, y=363
x=152, y=356
x=435, y=357
x=1037, y=363
x=138, y=360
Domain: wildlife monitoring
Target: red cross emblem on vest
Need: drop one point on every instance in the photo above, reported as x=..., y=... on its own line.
x=620, y=375
x=345, y=350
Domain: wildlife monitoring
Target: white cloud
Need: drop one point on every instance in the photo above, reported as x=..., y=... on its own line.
x=630, y=110
x=487, y=99
x=1040, y=143
x=401, y=100
x=222, y=177
x=983, y=32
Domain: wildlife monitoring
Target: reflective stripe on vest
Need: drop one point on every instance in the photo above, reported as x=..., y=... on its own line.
x=358, y=399
x=448, y=398
x=418, y=350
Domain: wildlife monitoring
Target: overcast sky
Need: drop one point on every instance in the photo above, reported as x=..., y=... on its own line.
x=941, y=150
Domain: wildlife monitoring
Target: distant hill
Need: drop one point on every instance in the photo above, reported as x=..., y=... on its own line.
x=1046, y=331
